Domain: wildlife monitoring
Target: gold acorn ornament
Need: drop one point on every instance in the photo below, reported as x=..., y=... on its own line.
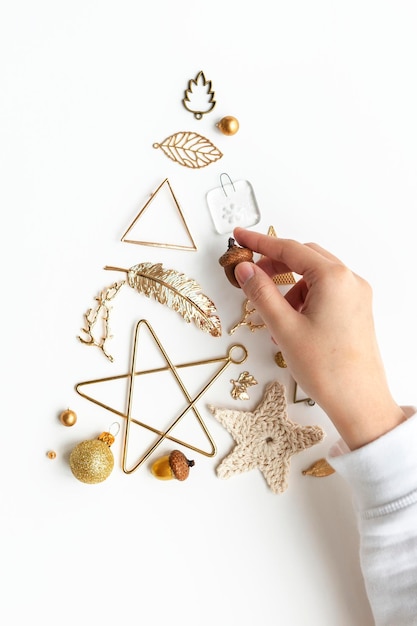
x=92, y=461
x=233, y=256
x=173, y=465
x=228, y=125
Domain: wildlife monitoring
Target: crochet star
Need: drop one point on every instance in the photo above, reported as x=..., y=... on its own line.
x=265, y=438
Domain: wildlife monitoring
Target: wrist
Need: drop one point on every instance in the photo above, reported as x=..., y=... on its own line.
x=362, y=425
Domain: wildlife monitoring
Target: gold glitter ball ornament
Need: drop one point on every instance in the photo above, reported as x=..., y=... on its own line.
x=228, y=125
x=92, y=461
x=68, y=417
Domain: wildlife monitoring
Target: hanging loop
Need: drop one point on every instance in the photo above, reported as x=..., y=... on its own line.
x=230, y=182
x=114, y=428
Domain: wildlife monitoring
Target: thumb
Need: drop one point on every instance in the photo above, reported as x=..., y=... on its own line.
x=263, y=293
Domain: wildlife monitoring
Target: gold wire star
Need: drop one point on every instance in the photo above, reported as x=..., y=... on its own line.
x=266, y=438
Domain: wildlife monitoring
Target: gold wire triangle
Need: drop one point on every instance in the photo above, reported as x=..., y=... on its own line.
x=154, y=243
x=226, y=360
x=306, y=399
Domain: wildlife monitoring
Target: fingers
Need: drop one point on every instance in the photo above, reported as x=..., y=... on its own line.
x=271, y=305
x=284, y=254
x=272, y=267
x=323, y=252
x=297, y=294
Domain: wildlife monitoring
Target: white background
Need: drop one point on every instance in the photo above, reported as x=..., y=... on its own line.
x=326, y=96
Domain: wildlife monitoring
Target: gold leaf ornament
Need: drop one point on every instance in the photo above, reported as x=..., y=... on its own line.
x=189, y=149
x=319, y=469
x=177, y=291
x=199, y=97
x=240, y=386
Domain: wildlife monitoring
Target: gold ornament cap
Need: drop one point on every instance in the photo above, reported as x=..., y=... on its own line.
x=108, y=438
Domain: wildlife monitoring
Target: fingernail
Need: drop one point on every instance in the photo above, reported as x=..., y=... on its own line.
x=244, y=272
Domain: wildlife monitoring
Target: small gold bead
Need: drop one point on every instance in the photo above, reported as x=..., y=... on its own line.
x=51, y=454
x=228, y=125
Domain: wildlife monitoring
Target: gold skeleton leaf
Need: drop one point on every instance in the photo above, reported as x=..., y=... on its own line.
x=92, y=317
x=189, y=149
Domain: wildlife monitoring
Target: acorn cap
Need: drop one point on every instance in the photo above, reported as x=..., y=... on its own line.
x=235, y=254
x=180, y=465
x=232, y=257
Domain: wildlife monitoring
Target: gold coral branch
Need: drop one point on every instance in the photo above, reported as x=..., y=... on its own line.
x=247, y=311
x=92, y=317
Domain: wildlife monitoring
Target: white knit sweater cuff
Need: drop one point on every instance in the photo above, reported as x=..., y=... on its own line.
x=383, y=473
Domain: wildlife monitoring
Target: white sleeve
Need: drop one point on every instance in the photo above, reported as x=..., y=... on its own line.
x=383, y=478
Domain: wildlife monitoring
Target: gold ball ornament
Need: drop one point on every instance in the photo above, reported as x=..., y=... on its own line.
x=68, y=417
x=51, y=454
x=92, y=461
x=228, y=125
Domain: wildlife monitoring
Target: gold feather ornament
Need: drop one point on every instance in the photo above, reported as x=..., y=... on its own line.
x=189, y=149
x=177, y=291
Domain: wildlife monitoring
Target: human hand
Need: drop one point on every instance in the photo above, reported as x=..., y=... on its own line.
x=324, y=327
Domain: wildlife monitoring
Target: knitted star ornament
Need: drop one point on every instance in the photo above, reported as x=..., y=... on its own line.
x=265, y=438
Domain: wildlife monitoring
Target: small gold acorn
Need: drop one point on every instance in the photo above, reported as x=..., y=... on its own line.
x=233, y=256
x=173, y=465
